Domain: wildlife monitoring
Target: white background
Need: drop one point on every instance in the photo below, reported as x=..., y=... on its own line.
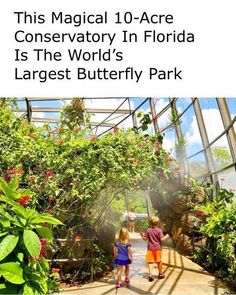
x=208, y=65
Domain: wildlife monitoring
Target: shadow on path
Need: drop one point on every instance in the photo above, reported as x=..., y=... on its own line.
x=183, y=277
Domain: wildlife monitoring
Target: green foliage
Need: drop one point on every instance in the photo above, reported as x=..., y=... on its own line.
x=218, y=223
x=222, y=156
x=23, y=269
x=145, y=120
x=73, y=115
x=174, y=117
x=68, y=172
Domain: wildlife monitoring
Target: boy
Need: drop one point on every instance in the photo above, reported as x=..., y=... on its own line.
x=154, y=236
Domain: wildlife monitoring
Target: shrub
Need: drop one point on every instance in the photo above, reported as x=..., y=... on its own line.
x=219, y=225
x=24, y=234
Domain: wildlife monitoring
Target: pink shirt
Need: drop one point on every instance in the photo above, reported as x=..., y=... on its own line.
x=154, y=235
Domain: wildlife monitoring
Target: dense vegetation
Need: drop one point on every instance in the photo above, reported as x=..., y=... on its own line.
x=217, y=221
x=74, y=175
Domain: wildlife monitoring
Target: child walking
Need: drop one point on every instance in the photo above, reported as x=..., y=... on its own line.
x=154, y=236
x=123, y=256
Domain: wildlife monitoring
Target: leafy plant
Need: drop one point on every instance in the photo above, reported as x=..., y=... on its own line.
x=174, y=117
x=23, y=235
x=219, y=225
x=145, y=120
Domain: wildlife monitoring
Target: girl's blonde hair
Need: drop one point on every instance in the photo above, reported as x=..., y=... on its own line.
x=124, y=236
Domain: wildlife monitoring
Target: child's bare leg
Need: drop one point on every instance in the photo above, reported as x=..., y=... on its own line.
x=161, y=274
x=149, y=268
x=159, y=266
x=119, y=273
x=132, y=226
x=127, y=271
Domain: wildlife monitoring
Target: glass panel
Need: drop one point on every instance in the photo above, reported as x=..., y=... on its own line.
x=227, y=179
x=48, y=103
x=169, y=142
x=232, y=106
x=161, y=103
x=190, y=132
x=182, y=103
x=21, y=104
x=212, y=117
x=198, y=166
x=127, y=123
x=100, y=130
x=47, y=115
x=221, y=153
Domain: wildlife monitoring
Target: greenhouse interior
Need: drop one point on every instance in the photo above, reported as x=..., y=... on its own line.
x=76, y=173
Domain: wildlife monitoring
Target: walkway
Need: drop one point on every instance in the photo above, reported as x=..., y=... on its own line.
x=182, y=277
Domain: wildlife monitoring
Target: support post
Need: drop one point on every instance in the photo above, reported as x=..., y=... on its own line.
x=154, y=115
x=148, y=205
x=29, y=109
x=181, y=145
x=226, y=118
x=134, y=119
x=205, y=141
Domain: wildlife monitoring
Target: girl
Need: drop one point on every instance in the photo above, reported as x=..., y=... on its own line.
x=123, y=256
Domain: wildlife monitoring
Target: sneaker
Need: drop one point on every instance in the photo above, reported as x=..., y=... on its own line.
x=127, y=280
x=150, y=278
x=161, y=276
x=119, y=285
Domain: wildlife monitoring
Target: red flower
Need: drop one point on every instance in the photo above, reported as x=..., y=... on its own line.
x=43, y=251
x=43, y=242
x=15, y=171
x=49, y=173
x=78, y=238
x=50, y=212
x=93, y=138
x=51, y=200
x=116, y=129
x=200, y=215
x=23, y=201
x=31, y=179
x=6, y=178
x=56, y=270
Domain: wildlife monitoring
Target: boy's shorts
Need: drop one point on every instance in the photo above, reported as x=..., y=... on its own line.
x=153, y=256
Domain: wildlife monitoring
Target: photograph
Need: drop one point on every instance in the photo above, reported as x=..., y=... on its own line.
x=117, y=195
